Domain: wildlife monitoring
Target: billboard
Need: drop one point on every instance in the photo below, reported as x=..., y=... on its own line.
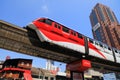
x=109, y=76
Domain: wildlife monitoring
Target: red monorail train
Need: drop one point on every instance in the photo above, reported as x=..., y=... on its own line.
x=55, y=33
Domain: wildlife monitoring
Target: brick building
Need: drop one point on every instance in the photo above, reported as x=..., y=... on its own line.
x=105, y=26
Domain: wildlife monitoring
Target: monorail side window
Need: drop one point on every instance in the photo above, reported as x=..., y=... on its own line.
x=105, y=47
x=101, y=45
x=91, y=41
x=109, y=48
x=116, y=51
x=80, y=36
x=73, y=33
x=57, y=26
x=65, y=29
x=96, y=43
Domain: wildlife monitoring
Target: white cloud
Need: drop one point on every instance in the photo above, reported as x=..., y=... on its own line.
x=45, y=8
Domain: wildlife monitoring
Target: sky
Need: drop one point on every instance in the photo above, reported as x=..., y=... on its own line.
x=71, y=13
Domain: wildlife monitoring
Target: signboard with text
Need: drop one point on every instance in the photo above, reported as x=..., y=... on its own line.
x=96, y=27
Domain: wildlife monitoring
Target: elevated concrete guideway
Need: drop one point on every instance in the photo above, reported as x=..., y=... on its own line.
x=26, y=41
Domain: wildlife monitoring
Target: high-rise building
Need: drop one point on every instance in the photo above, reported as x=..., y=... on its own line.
x=105, y=26
x=51, y=67
x=49, y=64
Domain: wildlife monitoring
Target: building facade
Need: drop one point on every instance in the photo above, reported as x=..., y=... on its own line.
x=16, y=69
x=105, y=26
x=50, y=64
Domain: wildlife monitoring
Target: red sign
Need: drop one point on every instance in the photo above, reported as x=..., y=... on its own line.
x=81, y=65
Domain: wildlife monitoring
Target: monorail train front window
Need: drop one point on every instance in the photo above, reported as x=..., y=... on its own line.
x=47, y=21
x=42, y=20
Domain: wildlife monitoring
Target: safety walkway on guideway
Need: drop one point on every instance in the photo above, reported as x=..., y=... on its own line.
x=27, y=42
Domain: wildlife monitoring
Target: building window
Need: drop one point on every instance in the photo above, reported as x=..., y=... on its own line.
x=27, y=64
x=115, y=18
x=117, y=36
x=94, y=18
x=51, y=78
x=100, y=13
x=98, y=34
x=110, y=36
x=110, y=15
x=22, y=63
x=46, y=78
